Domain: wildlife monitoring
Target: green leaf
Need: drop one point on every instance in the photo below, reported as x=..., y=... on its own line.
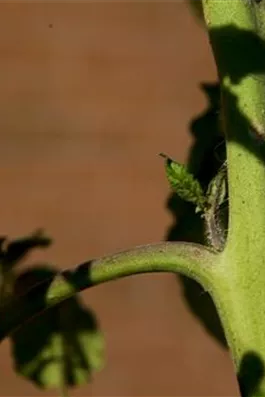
x=59, y=349
x=184, y=184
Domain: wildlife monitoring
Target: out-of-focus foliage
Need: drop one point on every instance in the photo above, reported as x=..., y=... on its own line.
x=61, y=347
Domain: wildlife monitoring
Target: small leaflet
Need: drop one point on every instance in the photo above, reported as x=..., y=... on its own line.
x=184, y=184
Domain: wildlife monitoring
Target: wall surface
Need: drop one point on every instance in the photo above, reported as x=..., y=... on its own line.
x=90, y=93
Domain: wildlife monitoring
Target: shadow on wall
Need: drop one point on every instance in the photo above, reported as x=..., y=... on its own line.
x=206, y=156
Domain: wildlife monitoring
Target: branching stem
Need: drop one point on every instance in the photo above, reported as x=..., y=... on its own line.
x=192, y=260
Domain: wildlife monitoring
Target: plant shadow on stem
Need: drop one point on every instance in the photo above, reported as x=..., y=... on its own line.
x=208, y=153
x=252, y=369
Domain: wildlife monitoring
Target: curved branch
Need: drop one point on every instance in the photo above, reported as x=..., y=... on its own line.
x=192, y=260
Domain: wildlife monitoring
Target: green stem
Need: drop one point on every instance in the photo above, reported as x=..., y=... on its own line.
x=239, y=51
x=192, y=260
x=236, y=30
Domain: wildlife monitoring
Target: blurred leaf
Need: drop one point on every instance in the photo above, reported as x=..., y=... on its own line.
x=184, y=184
x=60, y=348
x=14, y=251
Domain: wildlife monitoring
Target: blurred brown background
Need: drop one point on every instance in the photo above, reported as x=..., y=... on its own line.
x=90, y=93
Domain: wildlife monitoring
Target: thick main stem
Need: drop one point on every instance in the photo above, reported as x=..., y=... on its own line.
x=192, y=260
x=239, y=51
x=237, y=31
